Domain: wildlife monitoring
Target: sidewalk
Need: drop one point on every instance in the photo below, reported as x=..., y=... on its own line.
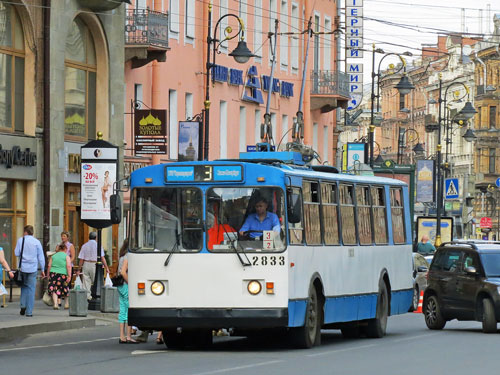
x=45, y=319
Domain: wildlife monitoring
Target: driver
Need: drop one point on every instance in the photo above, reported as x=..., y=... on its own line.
x=260, y=220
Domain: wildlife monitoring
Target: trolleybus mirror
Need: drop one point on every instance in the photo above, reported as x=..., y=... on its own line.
x=115, y=204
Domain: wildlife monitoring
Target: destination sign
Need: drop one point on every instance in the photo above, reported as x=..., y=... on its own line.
x=203, y=173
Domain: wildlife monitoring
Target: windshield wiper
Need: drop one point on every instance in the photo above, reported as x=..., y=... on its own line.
x=244, y=262
x=175, y=247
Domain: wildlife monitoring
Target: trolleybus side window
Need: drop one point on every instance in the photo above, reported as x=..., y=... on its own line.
x=397, y=214
x=312, y=222
x=379, y=214
x=329, y=211
x=166, y=219
x=347, y=214
x=295, y=226
x=364, y=215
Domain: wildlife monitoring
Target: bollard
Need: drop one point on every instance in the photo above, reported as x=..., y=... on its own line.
x=78, y=304
x=110, y=302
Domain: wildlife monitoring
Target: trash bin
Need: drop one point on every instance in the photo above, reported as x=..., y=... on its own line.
x=78, y=304
x=110, y=302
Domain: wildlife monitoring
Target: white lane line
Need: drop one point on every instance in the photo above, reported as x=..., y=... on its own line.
x=142, y=352
x=238, y=368
x=416, y=337
x=55, y=345
x=340, y=350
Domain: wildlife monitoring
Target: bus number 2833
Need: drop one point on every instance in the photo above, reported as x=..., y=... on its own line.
x=268, y=261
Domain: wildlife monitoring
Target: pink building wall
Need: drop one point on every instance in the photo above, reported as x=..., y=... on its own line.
x=184, y=72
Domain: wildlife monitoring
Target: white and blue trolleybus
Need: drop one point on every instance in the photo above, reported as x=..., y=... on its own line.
x=336, y=254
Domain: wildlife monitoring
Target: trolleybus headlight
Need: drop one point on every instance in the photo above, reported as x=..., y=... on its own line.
x=254, y=287
x=157, y=288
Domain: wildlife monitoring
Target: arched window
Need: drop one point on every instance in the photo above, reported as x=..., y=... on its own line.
x=80, y=83
x=11, y=70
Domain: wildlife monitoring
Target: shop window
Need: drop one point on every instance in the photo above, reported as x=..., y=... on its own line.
x=80, y=84
x=11, y=70
x=12, y=215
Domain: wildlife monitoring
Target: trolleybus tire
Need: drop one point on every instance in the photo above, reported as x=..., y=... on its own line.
x=351, y=331
x=310, y=333
x=489, y=321
x=377, y=326
x=173, y=340
x=432, y=314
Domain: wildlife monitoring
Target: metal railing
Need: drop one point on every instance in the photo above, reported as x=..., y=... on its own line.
x=146, y=27
x=329, y=82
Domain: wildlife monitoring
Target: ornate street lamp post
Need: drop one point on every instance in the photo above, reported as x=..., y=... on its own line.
x=418, y=149
x=241, y=54
x=404, y=87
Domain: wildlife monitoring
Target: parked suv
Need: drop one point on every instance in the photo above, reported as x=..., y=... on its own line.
x=464, y=283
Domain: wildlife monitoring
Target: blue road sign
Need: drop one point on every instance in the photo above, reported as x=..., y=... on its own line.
x=497, y=182
x=451, y=188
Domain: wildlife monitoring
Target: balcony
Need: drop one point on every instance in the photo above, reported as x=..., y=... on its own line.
x=146, y=36
x=329, y=90
x=101, y=5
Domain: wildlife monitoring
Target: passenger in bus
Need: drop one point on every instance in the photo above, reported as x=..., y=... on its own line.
x=260, y=221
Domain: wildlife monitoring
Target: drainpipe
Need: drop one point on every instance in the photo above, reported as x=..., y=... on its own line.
x=46, y=124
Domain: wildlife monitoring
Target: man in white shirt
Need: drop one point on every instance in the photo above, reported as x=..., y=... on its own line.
x=88, y=259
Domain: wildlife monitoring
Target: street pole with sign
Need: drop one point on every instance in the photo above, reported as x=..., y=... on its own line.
x=99, y=171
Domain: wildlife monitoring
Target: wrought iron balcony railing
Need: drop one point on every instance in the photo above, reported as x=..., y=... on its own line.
x=329, y=82
x=146, y=27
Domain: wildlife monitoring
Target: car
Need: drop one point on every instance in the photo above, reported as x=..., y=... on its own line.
x=420, y=268
x=463, y=283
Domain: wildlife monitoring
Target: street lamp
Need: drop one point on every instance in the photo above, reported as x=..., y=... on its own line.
x=418, y=149
x=404, y=87
x=241, y=54
x=469, y=112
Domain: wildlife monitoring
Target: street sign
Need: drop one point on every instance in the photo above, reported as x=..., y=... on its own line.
x=485, y=222
x=497, y=182
x=451, y=188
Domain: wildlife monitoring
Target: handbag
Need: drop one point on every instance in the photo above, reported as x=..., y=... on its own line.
x=47, y=299
x=18, y=275
x=118, y=280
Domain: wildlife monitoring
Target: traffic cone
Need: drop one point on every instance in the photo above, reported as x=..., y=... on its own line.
x=420, y=303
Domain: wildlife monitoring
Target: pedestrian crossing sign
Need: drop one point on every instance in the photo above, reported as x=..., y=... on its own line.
x=451, y=188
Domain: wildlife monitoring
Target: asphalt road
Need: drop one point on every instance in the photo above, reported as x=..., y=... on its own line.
x=409, y=348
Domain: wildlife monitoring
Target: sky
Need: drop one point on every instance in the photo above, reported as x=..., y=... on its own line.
x=404, y=25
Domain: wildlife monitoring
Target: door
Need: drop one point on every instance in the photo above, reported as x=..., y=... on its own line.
x=72, y=223
x=446, y=269
x=466, y=286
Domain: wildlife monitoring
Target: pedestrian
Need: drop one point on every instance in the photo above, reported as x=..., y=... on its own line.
x=125, y=329
x=4, y=265
x=424, y=247
x=88, y=259
x=70, y=249
x=59, y=271
x=31, y=258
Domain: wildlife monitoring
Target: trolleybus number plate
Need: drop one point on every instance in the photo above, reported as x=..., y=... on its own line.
x=268, y=260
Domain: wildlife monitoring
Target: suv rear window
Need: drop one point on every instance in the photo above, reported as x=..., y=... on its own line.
x=447, y=261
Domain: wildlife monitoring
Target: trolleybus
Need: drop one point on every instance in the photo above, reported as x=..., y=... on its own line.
x=339, y=257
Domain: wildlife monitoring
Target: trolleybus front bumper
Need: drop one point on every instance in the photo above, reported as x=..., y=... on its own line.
x=162, y=318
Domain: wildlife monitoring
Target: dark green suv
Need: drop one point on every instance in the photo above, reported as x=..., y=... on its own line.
x=464, y=283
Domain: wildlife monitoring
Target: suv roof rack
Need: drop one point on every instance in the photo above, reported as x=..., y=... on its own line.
x=472, y=243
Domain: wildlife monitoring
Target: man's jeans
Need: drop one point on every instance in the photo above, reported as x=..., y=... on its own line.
x=28, y=292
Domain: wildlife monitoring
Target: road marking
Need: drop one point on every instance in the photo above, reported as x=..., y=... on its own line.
x=341, y=350
x=416, y=337
x=142, y=352
x=55, y=345
x=238, y=368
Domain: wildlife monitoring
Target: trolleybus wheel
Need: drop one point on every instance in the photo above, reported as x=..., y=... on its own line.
x=377, y=327
x=173, y=339
x=310, y=333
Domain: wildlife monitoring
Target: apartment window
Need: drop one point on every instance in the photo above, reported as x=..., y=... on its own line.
x=273, y=125
x=174, y=18
x=491, y=161
x=258, y=120
x=223, y=129
x=283, y=50
x=190, y=20
x=479, y=118
x=242, y=13
x=327, y=39
x=189, y=106
x=11, y=70
x=223, y=24
x=493, y=117
x=257, y=36
x=172, y=119
x=243, y=129
x=325, y=143
x=294, y=41
x=272, y=16
x=401, y=101
x=285, y=136
x=315, y=135
x=80, y=83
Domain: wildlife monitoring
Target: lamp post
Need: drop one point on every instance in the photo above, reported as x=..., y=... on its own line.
x=241, y=55
x=467, y=112
x=404, y=86
x=418, y=149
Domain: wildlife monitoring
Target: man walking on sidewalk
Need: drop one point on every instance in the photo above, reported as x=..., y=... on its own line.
x=32, y=257
x=88, y=259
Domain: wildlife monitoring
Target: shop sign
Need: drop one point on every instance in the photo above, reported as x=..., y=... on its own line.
x=16, y=156
x=130, y=166
x=150, y=128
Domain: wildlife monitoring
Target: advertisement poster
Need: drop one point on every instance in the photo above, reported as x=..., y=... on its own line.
x=425, y=182
x=150, y=131
x=427, y=225
x=189, y=140
x=97, y=185
x=356, y=154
